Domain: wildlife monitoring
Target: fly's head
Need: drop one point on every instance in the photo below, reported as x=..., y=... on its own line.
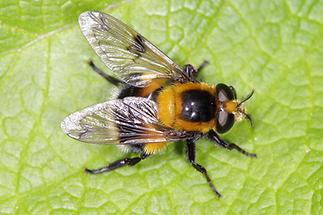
x=229, y=108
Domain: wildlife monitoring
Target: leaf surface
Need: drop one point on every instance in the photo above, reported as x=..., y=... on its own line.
x=275, y=47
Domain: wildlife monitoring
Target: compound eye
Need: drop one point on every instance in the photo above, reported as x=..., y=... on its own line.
x=234, y=93
x=225, y=93
x=224, y=121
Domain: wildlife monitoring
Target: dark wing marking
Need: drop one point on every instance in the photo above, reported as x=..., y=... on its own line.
x=132, y=120
x=133, y=58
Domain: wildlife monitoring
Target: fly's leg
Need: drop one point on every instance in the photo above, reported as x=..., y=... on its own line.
x=191, y=72
x=109, y=78
x=216, y=139
x=190, y=147
x=201, y=67
x=117, y=164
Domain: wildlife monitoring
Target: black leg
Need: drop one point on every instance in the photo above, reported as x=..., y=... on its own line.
x=117, y=164
x=107, y=77
x=190, y=71
x=190, y=145
x=216, y=139
x=205, y=63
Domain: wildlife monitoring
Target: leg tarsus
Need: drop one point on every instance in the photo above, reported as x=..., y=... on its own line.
x=202, y=170
x=191, y=158
x=216, y=139
x=201, y=67
x=191, y=72
x=231, y=146
x=107, y=77
x=116, y=164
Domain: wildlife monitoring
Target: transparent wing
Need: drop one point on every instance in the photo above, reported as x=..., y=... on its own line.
x=132, y=120
x=133, y=58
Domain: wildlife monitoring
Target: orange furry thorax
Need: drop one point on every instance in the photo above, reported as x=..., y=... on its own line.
x=169, y=103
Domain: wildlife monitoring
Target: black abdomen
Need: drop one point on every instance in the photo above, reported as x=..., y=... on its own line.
x=198, y=106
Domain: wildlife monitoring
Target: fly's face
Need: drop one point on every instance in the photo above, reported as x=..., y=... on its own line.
x=228, y=108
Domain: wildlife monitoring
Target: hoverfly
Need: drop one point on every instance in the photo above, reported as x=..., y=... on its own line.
x=159, y=102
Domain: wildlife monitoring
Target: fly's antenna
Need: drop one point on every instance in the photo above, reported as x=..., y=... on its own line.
x=246, y=99
x=248, y=117
x=241, y=110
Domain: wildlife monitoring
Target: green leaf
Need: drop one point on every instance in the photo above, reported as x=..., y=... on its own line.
x=275, y=47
